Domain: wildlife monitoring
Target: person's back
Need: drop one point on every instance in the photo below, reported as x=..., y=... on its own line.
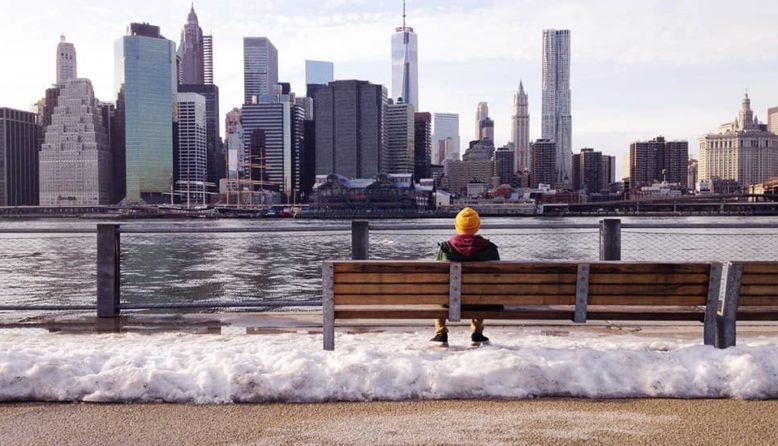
x=466, y=246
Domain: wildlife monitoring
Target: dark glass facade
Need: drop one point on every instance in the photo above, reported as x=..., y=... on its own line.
x=422, y=154
x=350, y=131
x=20, y=137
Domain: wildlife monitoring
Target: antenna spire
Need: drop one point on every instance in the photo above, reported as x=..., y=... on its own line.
x=403, y=14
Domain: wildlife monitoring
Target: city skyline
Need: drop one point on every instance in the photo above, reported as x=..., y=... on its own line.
x=678, y=80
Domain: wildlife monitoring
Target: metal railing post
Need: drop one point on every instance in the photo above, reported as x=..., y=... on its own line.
x=610, y=239
x=108, y=270
x=360, y=239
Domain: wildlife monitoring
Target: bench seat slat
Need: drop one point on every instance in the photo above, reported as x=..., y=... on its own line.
x=758, y=313
x=518, y=299
x=391, y=299
x=390, y=313
x=391, y=278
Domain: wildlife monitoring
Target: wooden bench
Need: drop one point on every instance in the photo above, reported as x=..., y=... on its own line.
x=751, y=294
x=394, y=289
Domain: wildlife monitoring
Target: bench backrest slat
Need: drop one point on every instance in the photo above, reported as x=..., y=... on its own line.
x=649, y=284
x=759, y=284
x=514, y=283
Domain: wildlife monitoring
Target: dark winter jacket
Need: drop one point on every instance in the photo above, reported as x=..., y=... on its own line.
x=470, y=248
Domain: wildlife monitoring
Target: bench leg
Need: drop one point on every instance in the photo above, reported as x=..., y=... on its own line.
x=328, y=305
x=727, y=319
x=711, y=304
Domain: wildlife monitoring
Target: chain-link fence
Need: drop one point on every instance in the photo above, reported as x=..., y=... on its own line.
x=227, y=266
x=699, y=244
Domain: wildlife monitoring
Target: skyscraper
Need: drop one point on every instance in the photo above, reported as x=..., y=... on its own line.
x=398, y=158
x=543, y=162
x=318, y=72
x=520, y=130
x=146, y=81
x=19, y=142
x=658, y=160
x=191, y=51
x=192, y=159
x=216, y=155
x=260, y=68
x=405, y=65
x=233, y=139
x=503, y=165
x=588, y=171
x=556, y=120
x=445, y=137
x=281, y=121
x=481, y=114
x=422, y=141
x=350, y=130
x=66, y=61
x=75, y=159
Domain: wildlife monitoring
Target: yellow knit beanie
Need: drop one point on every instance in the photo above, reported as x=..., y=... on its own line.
x=467, y=222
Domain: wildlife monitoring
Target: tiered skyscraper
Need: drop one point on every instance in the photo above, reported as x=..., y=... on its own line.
x=75, y=159
x=195, y=53
x=145, y=84
x=520, y=130
x=557, y=122
x=743, y=150
x=191, y=51
x=260, y=68
x=405, y=65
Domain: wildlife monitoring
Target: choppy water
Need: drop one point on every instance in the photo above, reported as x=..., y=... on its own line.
x=157, y=268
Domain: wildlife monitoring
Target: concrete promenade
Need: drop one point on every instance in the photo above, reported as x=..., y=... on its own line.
x=531, y=422
x=449, y=422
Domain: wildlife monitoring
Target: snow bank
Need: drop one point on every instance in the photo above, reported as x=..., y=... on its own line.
x=375, y=366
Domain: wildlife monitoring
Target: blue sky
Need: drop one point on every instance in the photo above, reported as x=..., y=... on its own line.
x=639, y=69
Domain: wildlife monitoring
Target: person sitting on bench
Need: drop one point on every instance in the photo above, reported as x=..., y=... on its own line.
x=466, y=246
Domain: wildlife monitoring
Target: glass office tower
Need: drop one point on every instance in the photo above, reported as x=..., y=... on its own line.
x=146, y=79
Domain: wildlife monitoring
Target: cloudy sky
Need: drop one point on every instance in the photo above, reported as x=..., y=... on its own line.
x=676, y=68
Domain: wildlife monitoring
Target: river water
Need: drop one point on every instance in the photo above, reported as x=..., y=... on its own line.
x=60, y=268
